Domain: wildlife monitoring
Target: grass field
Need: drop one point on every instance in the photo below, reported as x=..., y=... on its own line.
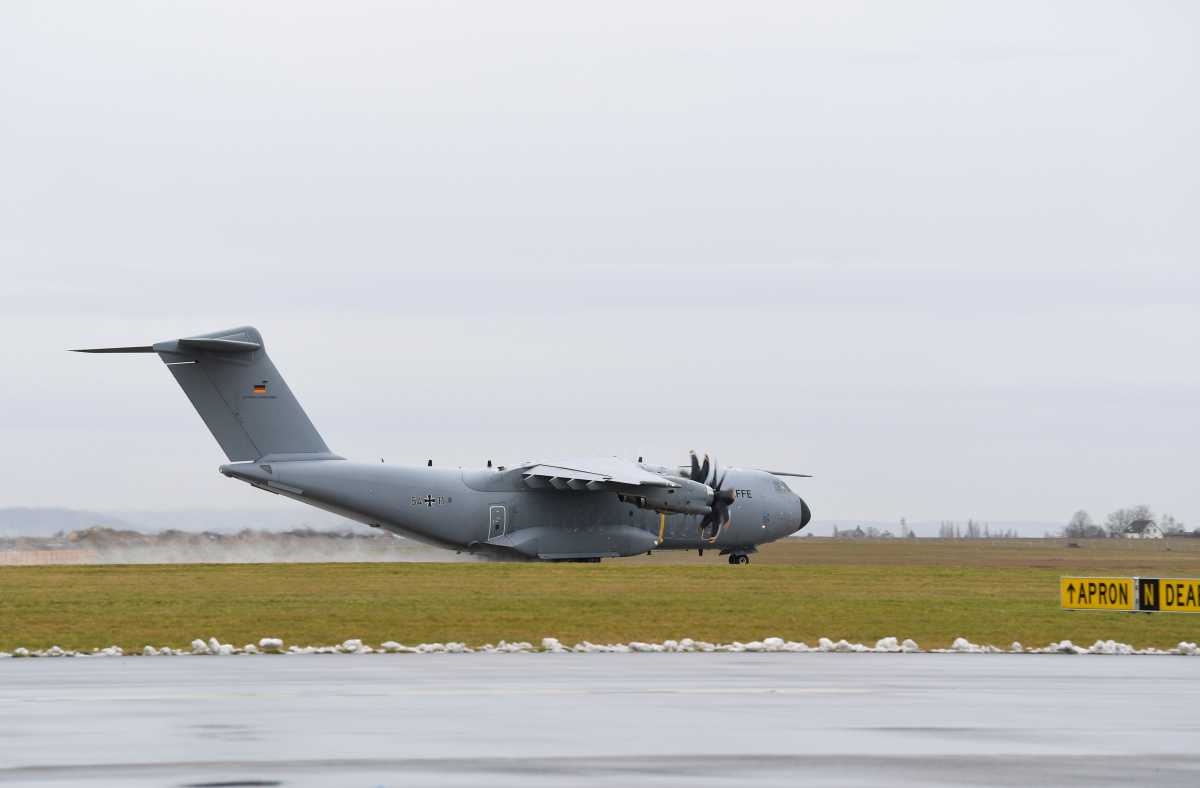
x=801, y=589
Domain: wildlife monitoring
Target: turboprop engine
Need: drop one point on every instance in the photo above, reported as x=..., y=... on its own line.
x=718, y=514
x=688, y=497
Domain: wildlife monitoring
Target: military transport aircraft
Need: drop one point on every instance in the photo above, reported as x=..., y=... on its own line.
x=572, y=510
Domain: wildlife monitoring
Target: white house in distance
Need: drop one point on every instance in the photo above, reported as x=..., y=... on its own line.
x=1143, y=529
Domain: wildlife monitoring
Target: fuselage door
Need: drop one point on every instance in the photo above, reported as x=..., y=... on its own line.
x=497, y=521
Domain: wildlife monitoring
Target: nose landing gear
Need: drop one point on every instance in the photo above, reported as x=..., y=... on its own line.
x=737, y=558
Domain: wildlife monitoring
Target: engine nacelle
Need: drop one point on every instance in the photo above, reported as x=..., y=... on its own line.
x=688, y=498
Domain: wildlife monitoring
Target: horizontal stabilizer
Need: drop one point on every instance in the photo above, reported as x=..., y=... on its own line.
x=217, y=345
x=140, y=349
x=211, y=344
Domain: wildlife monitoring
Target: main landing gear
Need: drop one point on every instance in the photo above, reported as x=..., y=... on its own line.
x=737, y=558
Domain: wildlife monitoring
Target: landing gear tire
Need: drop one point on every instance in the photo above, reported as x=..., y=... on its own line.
x=739, y=559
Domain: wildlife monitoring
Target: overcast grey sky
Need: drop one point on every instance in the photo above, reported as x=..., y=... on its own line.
x=942, y=255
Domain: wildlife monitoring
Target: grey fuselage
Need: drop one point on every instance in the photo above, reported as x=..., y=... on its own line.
x=475, y=510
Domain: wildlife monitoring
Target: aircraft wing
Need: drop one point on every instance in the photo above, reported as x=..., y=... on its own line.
x=591, y=474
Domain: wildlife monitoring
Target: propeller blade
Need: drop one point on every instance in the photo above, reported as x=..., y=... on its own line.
x=710, y=473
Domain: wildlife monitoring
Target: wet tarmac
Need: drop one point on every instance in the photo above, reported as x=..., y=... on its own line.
x=600, y=720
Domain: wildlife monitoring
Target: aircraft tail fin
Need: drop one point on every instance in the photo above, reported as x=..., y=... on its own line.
x=242, y=398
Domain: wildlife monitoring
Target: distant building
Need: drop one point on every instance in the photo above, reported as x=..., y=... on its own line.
x=1143, y=529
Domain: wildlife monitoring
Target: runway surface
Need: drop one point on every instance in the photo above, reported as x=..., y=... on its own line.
x=600, y=720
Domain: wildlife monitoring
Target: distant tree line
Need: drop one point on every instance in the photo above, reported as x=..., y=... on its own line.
x=870, y=532
x=947, y=529
x=1081, y=525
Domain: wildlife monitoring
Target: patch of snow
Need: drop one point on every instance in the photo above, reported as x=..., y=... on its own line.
x=885, y=645
x=843, y=646
x=504, y=647
x=591, y=648
x=431, y=648
x=1062, y=647
x=638, y=646
x=964, y=646
x=213, y=647
x=1111, y=647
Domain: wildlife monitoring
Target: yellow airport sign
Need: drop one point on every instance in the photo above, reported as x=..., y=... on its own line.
x=1097, y=593
x=1169, y=594
x=1144, y=594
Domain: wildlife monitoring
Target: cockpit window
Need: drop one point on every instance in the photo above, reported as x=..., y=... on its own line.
x=781, y=486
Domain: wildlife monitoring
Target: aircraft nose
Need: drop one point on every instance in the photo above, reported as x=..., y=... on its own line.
x=805, y=514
